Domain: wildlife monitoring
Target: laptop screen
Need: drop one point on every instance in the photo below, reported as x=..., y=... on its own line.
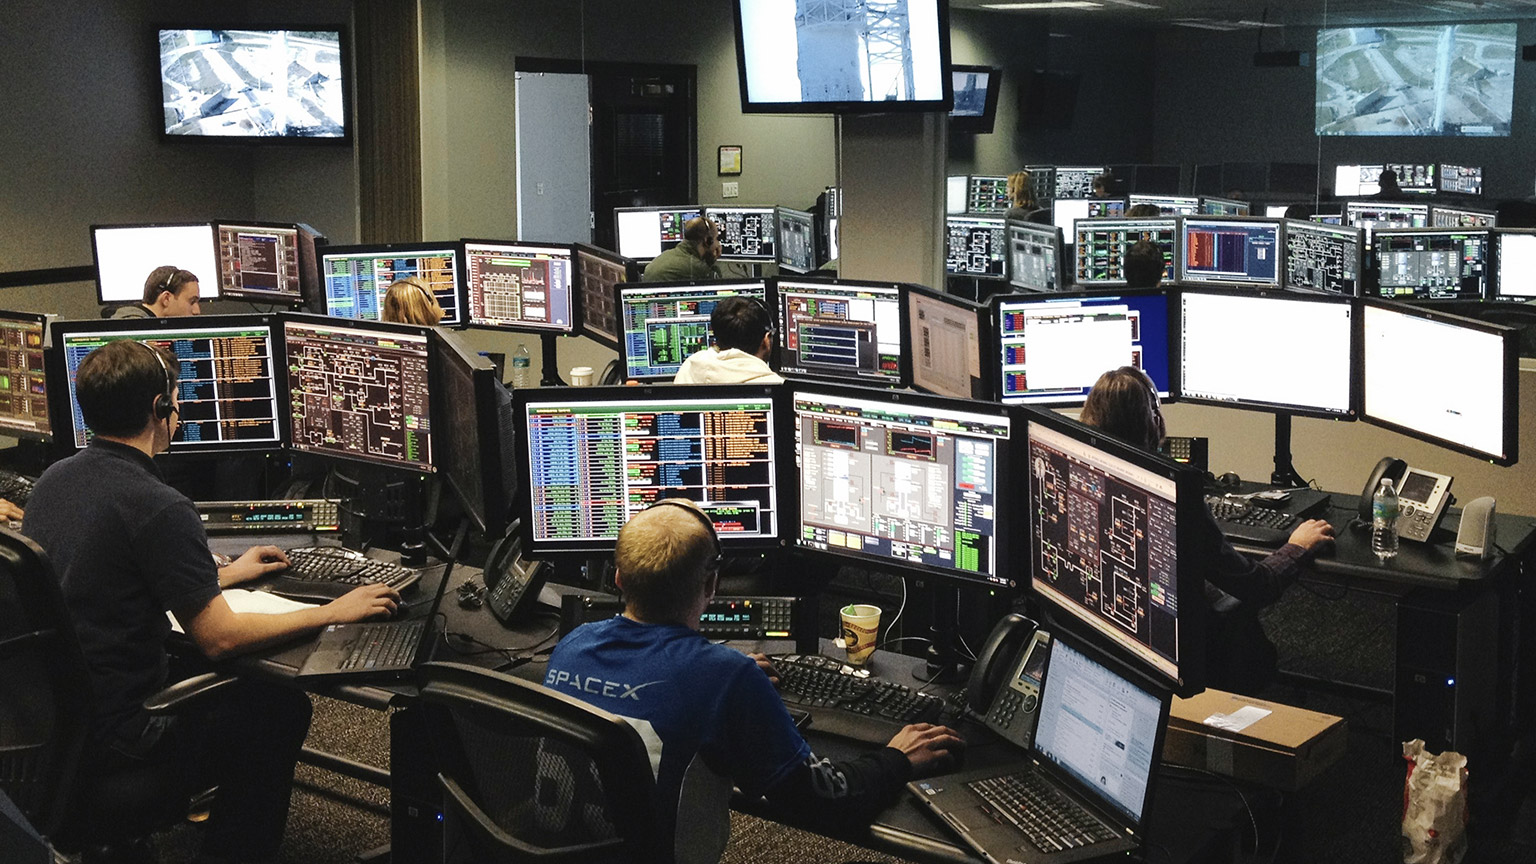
x=1100, y=728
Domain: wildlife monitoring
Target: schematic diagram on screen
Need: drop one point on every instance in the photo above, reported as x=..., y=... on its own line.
x=360, y=400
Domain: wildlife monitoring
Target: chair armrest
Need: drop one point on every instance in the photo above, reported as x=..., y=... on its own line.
x=186, y=693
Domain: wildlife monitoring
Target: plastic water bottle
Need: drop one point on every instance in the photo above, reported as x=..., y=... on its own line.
x=522, y=370
x=1384, y=511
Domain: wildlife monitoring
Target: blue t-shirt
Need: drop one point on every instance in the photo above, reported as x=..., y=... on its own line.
x=686, y=696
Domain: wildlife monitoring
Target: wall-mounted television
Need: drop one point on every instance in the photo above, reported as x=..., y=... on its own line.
x=843, y=57
x=254, y=83
x=976, y=89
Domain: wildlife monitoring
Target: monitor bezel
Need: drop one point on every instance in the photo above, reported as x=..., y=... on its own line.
x=981, y=388
x=462, y=278
x=381, y=249
x=1041, y=229
x=1181, y=258
x=213, y=241
x=1347, y=215
x=493, y=522
x=988, y=217
x=969, y=183
x=773, y=213
x=294, y=300
x=620, y=288
x=778, y=228
x=1174, y=214
x=984, y=124
x=631, y=274
x=1056, y=171
x=49, y=378
x=1374, y=263
x=904, y=377
x=1205, y=201
x=1306, y=225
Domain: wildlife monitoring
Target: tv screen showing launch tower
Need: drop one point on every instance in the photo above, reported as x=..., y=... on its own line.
x=847, y=56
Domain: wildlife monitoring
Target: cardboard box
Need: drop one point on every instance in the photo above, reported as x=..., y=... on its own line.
x=1250, y=739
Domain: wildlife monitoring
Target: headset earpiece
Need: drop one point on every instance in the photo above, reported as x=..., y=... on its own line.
x=703, y=518
x=165, y=401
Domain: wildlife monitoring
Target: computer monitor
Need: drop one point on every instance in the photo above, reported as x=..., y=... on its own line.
x=645, y=232
x=519, y=287
x=949, y=338
x=259, y=262
x=125, y=255
x=24, y=376
x=226, y=377
x=956, y=188
x=1210, y=205
x=1350, y=180
x=1258, y=349
x=987, y=194
x=477, y=462
x=1372, y=215
x=592, y=457
x=976, y=246
x=797, y=240
x=1432, y=263
x=1441, y=216
x=907, y=483
x=1327, y=218
x=1276, y=211
x=1170, y=205
x=1066, y=211
x=1051, y=349
x=663, y=323
x=1034, y=256
x=1075, y=181
x=1325, y=258
x=976, y=92
x=1229, y=250
x=842, y=329
x=360, y=390
x=1114, y=546
x=358, y=277
x=1100, y=247
x=1461, y=179
x=597, y=272
x=1042, y=180
x=1514, y=265
x=746, y=233
x=1441, y=378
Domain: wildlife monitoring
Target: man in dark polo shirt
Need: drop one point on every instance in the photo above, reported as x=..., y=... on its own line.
x=127, y=549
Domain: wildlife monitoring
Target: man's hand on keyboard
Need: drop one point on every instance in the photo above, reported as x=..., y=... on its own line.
x=931, y=749
x=1312, y=534
x=373, y=600
x=256, y=562
x=9, y=511
x=766, y=665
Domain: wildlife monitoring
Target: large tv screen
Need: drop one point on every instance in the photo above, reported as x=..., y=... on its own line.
x=851, y=56
x=253, y=83
x=1451, y=79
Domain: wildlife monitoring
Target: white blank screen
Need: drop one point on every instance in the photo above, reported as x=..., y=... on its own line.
x=1067, y=211
x=1517, y=265
x=1268, y=350
x=125, y=256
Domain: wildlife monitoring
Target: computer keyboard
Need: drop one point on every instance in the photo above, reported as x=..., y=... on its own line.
x=1240, y=520
x=323, y=573
x=1050, y=820
x=15, y=488
x=844, y=702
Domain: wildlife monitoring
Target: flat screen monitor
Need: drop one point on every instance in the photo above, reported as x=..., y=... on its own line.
x=592, y=457
x=976, y=90
x=1461, y=217
x=976, y=246
x=851, y=331
x=1113, y=546
x=1229, y=250
x=987, y=194
x=1034, y=256
x=746, y=233
x=1213, y=206
x=476, y=460
x=663, y=323
x=1067, y=211
x=1325, y=258
x=1276, y=211
x=1231, y=344
x=1444, y=379
x=259, y=262
x=1327, y=218
x=1042, y=181
x=24, y=376
x=1432, y=263
x=1351, y=180
x=255, y=84
x=226, y=376
x=1372, y=215
x=898, y=481
x=949, y=340
x=1170, y=205
x=645, y=232
x=360, y=390
x=598, y=271
x=125, y=255
x=357, y=277
x=1430, y=79
x=1076, y=181
x=1100, y=247
x=1514, y=265
x=519, y=287
x=1051, y=349
x=845, y=58
x=797, y=239
x=1461, y=179
x=956, y=188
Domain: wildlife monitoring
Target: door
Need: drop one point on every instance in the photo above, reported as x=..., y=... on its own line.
x=554, y=162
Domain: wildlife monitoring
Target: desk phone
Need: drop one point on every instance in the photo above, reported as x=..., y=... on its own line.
x=1422, y=497
x=1014, y=709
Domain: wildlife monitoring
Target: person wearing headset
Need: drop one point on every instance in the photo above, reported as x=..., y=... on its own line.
x=743, y=331
x=696, y=256
x=169, y=292
x=1239, y=656
x=410, y=301
x=127, y=549
x=700, y=705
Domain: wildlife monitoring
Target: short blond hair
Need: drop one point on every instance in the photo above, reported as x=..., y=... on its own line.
x=664, y=559
x=410, y=301
x=1021, y=193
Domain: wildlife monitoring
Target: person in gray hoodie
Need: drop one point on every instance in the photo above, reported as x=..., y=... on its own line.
x=743, y=330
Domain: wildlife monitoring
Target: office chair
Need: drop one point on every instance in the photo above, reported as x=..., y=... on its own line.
x=45, y=710
x=529, y=774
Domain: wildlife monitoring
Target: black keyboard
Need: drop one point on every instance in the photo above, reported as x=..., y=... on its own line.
x=842, y=702
x=1050, y=820
x=323, y=573
x=388, y=645
x=15, y=488
x=1240, y=520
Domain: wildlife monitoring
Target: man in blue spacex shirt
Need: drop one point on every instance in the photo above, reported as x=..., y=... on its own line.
x=693, y=700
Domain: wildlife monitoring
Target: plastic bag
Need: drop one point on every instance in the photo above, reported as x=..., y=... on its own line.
x=1434, y=806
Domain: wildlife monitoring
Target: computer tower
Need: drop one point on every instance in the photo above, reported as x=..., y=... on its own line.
x=415, y=798
x=1446, y=684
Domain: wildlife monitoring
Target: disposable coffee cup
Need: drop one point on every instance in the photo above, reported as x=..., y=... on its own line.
x=581, y=376
x=861, y=623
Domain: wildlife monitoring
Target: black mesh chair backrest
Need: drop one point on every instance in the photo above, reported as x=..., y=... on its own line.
x=529, y=774
x=45, y=690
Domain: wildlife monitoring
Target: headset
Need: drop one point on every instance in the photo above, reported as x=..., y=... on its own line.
x=164, y=403
x=709, y=525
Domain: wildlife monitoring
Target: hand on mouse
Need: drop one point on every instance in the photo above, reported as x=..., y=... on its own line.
x=375, y=600
x=1312, y=534
x=256, y=562
x=766, y=665
x=931, y=749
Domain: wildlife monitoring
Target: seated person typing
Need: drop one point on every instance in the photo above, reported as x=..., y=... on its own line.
x=743, y=332
x=697, y=702
x=127, y=548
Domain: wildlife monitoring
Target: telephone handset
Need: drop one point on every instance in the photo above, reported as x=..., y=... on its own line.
x=1422, y=497
x=996, y=659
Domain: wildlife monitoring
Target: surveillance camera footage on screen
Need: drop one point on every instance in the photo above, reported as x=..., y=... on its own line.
x=252, y=83
x=1455, y=80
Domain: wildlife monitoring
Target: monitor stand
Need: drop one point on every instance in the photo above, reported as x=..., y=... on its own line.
x=550, y=374
x=1284, y=475
x=946, y=665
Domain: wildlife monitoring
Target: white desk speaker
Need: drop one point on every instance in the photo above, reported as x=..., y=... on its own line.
x=1476, y=535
